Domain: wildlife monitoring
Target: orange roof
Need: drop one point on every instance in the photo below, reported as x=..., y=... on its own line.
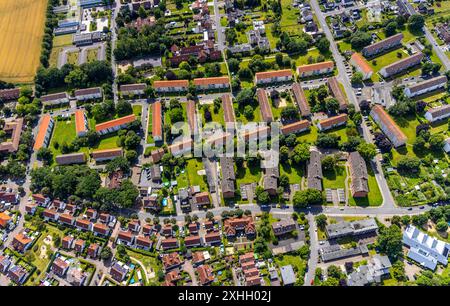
x=174, y=83
x=42, y=132
x=228, y=111
x=296, y=126
x=388, y=122
x=107, y=153
x=156, y=119
x=4, y=219
x=208, y=81
x=23, y=239
x=337, y=92
x=192, y=117
x=79, y=121
x=273, y=74
x=115, y=122
x=314, y=67
x=361, y=62
x=333, y=120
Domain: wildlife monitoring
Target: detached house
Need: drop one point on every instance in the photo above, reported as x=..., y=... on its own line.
x=125, y=237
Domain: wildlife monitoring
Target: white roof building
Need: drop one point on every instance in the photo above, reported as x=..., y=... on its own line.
x=427, y=251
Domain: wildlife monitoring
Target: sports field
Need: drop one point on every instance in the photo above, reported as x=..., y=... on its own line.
x=22, y=28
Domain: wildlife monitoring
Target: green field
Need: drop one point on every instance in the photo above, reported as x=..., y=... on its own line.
x=374, y=198
x=247, y=175
x=295, y=173
x=63, y=132
x=192, y=166
x=334, y=179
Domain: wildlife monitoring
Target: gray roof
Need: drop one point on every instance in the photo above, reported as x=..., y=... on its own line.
x=287, y=275
x=439, y=111
x=315, y=171
x=270, y=180
x=428, y=83
x=358, y=227
x=358, y=172
x=228, y=175
x=335, y=252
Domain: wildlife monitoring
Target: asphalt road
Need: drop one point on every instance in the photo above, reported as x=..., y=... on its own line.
x=442, y=56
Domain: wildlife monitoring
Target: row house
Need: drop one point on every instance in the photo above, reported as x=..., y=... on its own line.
x=114, y=125
x=133, y=89
x=107, y=154
x=438, y=113
x=332, y=122
x=171, y=86
x=213, y=238
x=388, y=126
x=243, y=224
x=13, y=129
x=300, y=100
x=212, y=83
x=94, y=93
x=359, y=183
x=81, y=123
x=56, y=98
x=44, y=133
x=263, y=100
x=361, y=65
x=383, y=45
x=9, y=94
x=426, y=86
x=157, y=128
x=296, y=127
x=270, y=77
x=401, y=65
x=70, y=159
x=335, y=88
x=315, y=69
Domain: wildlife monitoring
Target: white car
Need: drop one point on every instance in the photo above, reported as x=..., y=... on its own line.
x=321, y=242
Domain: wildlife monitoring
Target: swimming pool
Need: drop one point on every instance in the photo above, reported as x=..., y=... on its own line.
x=164, y=202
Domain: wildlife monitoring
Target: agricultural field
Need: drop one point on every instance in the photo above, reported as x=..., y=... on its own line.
x=20, y=42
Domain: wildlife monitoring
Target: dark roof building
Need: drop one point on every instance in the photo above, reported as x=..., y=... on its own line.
x=315, y=171
x=359, y=185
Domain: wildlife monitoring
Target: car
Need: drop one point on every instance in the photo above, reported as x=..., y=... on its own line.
x=422, y=207
x=410, y=208
x=321, y=242
x=341, y=208
x=302, y=228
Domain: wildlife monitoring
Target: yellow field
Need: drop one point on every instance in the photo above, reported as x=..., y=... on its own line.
x=22, y=28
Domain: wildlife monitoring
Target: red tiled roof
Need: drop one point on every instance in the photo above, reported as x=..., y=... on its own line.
x=115, y=122
x=228, y=110
x=296, y=126
x=208, y=81
x=273, y=74
x=266, y=110
x=79, y=121
x=333, y=120
x=316, y=66
x=174, y=83
x=156, y=120
x=42, y=132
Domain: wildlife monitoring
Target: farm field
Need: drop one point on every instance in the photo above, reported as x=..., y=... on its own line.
x=20, y=42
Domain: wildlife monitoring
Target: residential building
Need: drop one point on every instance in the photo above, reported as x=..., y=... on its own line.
x=66, y=219
x=353, y=228
x=228, y=177
x=201, y=199
x=9, y=94
x=22, y=242
x=171, y=261
x=336, y=91
x=263, y=100
x=125, y=237
x=359, y=179
x=192, y=241
x=83, y=224
x=213, y=238
x=133, y=89
x=17, y=274
x=424, y=249
x=72, y=158
x=101, y=229
x=401, y=65
x=85, y=94
x=243, y=224
x=81, y=123
x=314, y=169
x=13, y=131
x=438, y=113
x=300, y=99
x=143, y=242
x=40, y=200
x=383, y=45
x=361, y=65
x=119, y=271
x=425, y=86
x=56, y=98
x=270, y=77
x=287, y=275
x=192, y=118
x=44, y=133
x=283, y=227
x=373, y=272
x=388, y=126
x=212, y=83
x=169, y=243
x=270, y=180
x=60, y=266
x=332, y=122
x=171, y=86
x=228, y=110
x=296, y=127
x=205, y=274
x=114, y=125
x=315, y=69
x=108, y=154
x=67, y=242
x=157, y=130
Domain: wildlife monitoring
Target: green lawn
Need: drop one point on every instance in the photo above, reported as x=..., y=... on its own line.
x=341, y=131
x=334, y=179
x=247, y=175
x=192, y=166
x=72, y=58
x=309, y=136
x=216, y=117
x=295, y=173
x=149, y=127
x=109, y=141
x=63, y=132
x=151, y=265
x=297, y=263
x=374, y=198
x=137, y=110
x=240, y=115
x=92, y=55
x=386, y=59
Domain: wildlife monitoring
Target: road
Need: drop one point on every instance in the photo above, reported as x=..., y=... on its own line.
x=441, y=54
x=113, y=46
x=219, y=28
x=313, y=250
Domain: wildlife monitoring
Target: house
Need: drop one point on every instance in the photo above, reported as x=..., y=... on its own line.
x=169, y=243
x=134, y=226
x=388, y=126
x=193, y=228
x=314, y=169
x=212, y=83
x=192, y=241
x=30, y=208
x=315, y=69
x=105, y=218
x=228, y=177
x=9, y=197
x=270, y=180
x=198, y=258
x=377, y=268
x=118, y=271
x=22, y=242
x=212, y=238
x=13, y=131
x=359, y=185
x=83, y=224
x=243, y=224
x=84, y=39
x=133, y=89
x=5, y=262
x=401, y=65
x=287, y=275
x=192, y=118
x=79, y=246
x=157, y=130
x=424, y=249
x=76, y=277
x=332, y=122
x=336, y=91
x=114, y=125
x=60, y=266
x=300, y=99
x=125, y=237
x=56, y=98
x=171, y=86
x=425, y=86
x=93, y=250
x=157, y=154
x=100, y=229
x=202, y=199
x=228, y=110
x=143, y=242
x=438, y=113
x=91, y=213
x=67, y=242
x=205, y=275
x=167, y=230
x=108, y=154
x=5, y=220
x=66, y=219
x=17, y=274
x=383, y=45
x=442, y=31
x=181, y=147
x=151, y=202
x=447, y=145
x=263, y=100
x=93, y=93
x=361, y=65
x=44, y=133
x=283, y=227
x=50, y=214
x=81, y=123
x=270, y=77
x=9, y=94
x=353, y=228
x=171, y=261
x=296, y=127
x=69, y=159
x=41, y=200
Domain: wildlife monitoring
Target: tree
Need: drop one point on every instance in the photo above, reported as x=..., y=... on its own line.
x=357, y=78
x=106, y=253
x=390, y=241
x=442, y=226
x=307, y=197
x=233, y=64
x=327, y=141
x=230, y=36
x=419, y=144
x=284, y=154
x=391, y=28
x=419, y=220
x=328, y=163
x=416, y=23
x=323, y=45
x=289, y=113
x=248, y=112
x=245, y=97
x=209, y=215
x=321, y=221
x=367, y=150
x=124, y=108
x=436, y=142
x=46, y=155
x=408, y=164
x=360, y=39
x=301, y=153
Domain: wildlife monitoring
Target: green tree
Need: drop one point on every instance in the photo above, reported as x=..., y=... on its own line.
x=367, y=150
x=390, y=241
